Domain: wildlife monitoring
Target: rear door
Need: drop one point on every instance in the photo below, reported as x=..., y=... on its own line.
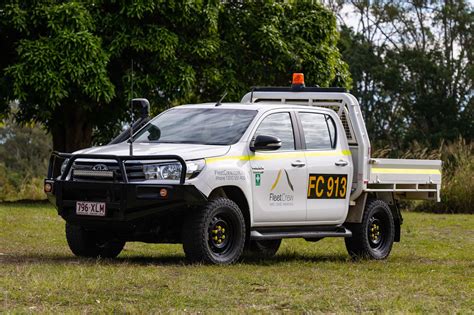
x=329, y=168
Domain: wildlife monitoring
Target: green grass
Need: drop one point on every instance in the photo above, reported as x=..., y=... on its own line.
x=431, y=270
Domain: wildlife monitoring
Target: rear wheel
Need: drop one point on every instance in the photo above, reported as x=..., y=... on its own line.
x=215, y=234
x=265, y=249
x=373, y=237
x=85, y=243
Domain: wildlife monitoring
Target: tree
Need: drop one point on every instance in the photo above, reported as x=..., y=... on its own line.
x=59, y=73
x=263, y=43
x=71, y=67
x=208, y=49
x=414, y=75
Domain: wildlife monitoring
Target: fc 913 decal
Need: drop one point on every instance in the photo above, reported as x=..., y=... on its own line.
x=327, y=186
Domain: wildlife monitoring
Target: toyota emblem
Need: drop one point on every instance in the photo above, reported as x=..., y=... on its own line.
x=100, y=167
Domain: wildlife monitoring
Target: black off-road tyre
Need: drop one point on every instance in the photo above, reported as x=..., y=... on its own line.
x=263, y=249
x=373, y=238
x=85, y=243
x=214, y=234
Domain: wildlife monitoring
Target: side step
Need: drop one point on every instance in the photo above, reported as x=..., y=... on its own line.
x=274, y=235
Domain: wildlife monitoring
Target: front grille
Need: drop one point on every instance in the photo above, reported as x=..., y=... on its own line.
x=106, y=171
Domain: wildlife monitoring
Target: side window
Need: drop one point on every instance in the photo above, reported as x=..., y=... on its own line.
x=317, y=131
x=278, y=125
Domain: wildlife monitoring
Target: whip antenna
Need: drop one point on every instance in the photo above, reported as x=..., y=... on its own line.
x=131, y=111
x=219, y=102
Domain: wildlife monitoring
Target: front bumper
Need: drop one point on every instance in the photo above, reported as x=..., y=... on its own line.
x=125, y=202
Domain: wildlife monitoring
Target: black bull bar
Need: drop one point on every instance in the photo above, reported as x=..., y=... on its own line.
x=53, y=166
x=126, y=200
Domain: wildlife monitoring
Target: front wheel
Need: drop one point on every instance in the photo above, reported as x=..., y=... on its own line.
x=373, y=237
x=214, y=234
x=84, y=243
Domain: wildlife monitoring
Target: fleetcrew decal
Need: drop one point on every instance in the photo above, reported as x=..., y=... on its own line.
x=275, y=183
x=327, y=186
x=257, y=179
x=281, y=198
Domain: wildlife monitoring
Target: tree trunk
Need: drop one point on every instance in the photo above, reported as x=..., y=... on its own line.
x=71, y=128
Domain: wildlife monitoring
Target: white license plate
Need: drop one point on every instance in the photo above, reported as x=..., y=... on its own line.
x=90, y=208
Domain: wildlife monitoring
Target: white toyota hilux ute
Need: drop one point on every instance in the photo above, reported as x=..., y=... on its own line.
x=224, y=179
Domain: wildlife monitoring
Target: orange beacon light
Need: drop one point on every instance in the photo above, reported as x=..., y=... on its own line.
x=298, y=80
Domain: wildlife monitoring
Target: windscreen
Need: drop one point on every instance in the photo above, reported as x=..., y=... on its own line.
x=214, y=126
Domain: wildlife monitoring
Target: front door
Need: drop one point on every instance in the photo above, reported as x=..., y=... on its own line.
x=329, y=169
x=279, y=188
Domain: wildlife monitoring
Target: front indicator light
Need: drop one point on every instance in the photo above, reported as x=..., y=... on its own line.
x=193, y=168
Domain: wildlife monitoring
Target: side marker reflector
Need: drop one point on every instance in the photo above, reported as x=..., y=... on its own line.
x=48, y=188
x=163, y=192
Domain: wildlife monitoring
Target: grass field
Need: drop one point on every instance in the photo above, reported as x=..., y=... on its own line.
x=431, y=270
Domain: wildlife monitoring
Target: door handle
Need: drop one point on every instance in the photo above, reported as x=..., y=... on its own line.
x=298, y=163
x=341, y=163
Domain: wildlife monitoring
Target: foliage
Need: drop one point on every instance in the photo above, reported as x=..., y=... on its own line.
x=458, y=181
x=412, y=66
x=457, y=188
x=170, y=44
x=24, y=153
x=262, y=44
x=58, y=71
x=212, y=48
x=70, y=63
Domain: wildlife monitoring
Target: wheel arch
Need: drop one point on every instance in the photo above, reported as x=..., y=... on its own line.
x=356, y=211
x=235, y=194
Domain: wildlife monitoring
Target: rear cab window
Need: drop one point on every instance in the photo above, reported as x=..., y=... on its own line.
x=319, y=131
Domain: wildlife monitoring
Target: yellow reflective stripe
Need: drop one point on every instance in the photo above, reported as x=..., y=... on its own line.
x=404, y=171
x=277, y=156
x=225, y=158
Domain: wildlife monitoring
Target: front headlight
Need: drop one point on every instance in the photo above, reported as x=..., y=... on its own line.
x=172, y=171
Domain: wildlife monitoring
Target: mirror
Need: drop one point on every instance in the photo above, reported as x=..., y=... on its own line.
x=265, y=143
x=143, y=105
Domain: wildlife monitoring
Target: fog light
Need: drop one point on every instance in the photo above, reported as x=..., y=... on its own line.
x=48, y=188
x=163, y=192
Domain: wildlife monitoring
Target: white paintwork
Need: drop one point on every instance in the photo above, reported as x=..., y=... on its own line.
x=186, y=151
x=330, y=210
x=236, y=165
x=346, y=104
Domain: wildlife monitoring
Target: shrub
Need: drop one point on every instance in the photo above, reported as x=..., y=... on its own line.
x=457, y=189
x=24, y=153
